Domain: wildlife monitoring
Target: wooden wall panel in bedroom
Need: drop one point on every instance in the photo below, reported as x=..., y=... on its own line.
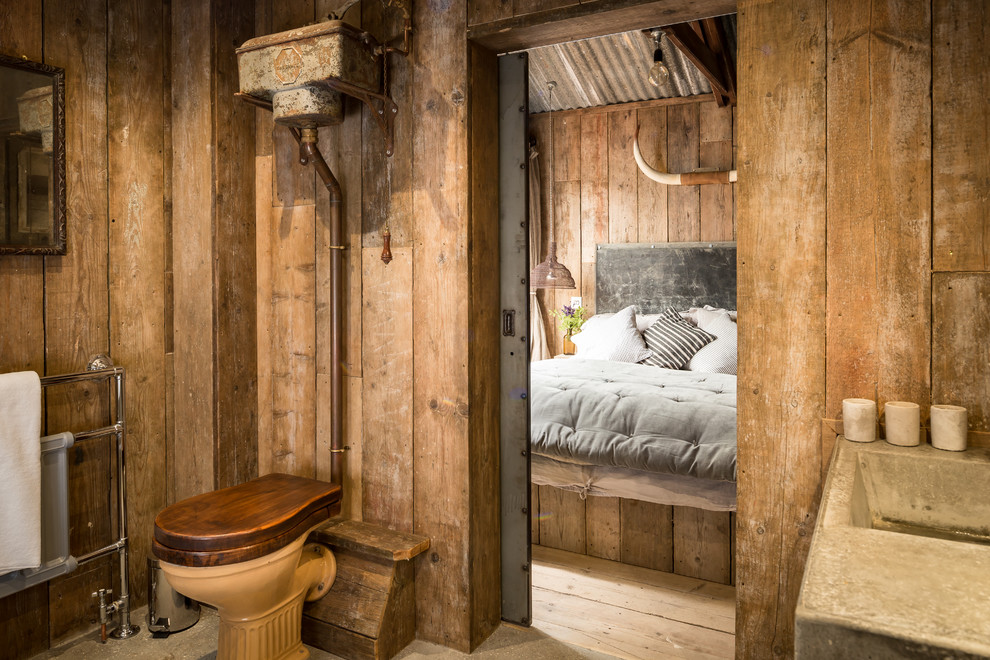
x=676, y=539
x=605, y=199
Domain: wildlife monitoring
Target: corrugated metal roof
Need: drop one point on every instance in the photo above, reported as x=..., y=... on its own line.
x=612, y=69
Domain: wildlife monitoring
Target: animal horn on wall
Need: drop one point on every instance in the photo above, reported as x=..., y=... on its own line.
x=687, y=179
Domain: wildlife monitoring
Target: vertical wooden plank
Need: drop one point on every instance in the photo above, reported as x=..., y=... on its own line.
x=387, y=491
x=264, y=123
x=22, y=280
x=264, y=217
x=234, y=259
x=901, y=76
x=567, y=164
x=961, y=330
x=534, y=514
x=24, y=622
x=732, y=548
x=440, y=328
x=192, y=249
x=294, y=183
x=702, y=544
x=623, y=177
x=646, y=534
x=341, y=146
x=715, y=151
x=781, y=386
x=539, y=128
x=169, y=295
x=562, y=520
x=652, y=196
x=594, y=198
x=352, y=501
x=588, y=288
x=293, y=346
x=683, y=202
x=135, y=110
x=387, y=191
x=76, y=293
x=879, y=206
x=603, y=532
x=852, y=210
x=567, y=199
x=24, y=615
x=961, y=124
x=484, y=344
x=566, y=171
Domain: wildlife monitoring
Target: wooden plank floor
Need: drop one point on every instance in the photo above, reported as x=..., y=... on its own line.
x=630, y=612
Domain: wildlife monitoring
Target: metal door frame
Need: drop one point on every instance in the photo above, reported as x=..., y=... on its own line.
x=516, y=554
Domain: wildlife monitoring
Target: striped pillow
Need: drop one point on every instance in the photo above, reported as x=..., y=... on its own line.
x=673, y=341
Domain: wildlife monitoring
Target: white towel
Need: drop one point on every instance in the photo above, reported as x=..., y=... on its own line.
x=20, y=471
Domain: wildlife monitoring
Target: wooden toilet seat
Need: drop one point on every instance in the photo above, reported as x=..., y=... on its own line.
x=243, y=522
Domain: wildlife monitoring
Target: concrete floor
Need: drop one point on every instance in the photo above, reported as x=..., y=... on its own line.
x=200, y=643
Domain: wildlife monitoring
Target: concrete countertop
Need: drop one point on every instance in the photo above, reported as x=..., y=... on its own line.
x=876, y=593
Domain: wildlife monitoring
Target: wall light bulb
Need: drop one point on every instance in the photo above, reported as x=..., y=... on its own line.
x=659, y=74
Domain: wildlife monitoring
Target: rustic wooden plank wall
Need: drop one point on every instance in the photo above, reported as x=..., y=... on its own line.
x=112, y=293
x=961, y=217
x=602, y=197
x=899, y=233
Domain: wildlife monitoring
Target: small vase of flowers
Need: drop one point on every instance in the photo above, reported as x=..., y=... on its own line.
x=570, y=321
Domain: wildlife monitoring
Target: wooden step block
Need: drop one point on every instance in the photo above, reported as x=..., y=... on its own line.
x=370, y=539
x=370, y=611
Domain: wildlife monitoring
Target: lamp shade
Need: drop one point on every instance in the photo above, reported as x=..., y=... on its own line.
x=550, y=273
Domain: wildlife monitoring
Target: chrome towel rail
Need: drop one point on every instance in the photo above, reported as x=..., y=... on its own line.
x=119, y=430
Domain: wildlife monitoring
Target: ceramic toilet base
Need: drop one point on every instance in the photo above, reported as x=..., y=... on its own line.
x=273, y=636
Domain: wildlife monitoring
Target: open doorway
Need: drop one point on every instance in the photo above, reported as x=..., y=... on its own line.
x=602, y=522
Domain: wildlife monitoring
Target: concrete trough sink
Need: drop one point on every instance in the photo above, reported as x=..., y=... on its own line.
x=899, y=564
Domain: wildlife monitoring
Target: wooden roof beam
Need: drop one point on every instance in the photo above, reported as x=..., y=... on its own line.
x=716, y=40
x=701, y=55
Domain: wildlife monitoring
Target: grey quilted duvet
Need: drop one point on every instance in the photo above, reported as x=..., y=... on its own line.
x=596, y=412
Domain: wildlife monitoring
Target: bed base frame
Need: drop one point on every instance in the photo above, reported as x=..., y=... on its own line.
x=674, y=539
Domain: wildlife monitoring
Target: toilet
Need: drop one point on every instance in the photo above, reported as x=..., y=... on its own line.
x=243, y=550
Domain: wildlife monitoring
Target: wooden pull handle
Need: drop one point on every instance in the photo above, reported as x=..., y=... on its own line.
x=387, y=246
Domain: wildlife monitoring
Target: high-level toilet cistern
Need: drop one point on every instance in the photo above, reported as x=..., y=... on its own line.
x=243, y=550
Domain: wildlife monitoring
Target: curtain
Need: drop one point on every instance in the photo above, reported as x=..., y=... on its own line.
x=537, y=332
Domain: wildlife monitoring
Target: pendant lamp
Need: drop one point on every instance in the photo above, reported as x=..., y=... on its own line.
x=551, y=274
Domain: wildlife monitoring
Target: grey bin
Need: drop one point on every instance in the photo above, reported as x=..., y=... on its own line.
x=168, y=610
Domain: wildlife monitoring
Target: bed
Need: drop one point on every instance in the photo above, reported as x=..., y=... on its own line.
x=629, y=460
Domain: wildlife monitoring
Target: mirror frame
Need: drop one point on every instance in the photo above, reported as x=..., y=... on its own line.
x=57, y=74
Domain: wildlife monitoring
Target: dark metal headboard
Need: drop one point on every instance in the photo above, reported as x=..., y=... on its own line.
x=659, y=275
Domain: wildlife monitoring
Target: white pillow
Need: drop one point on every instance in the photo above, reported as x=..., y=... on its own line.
x=692, y=314
x=644, y=321
x=720, y=356
x=614, y=338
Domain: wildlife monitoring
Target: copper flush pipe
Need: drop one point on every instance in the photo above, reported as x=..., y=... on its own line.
x=309, y=152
